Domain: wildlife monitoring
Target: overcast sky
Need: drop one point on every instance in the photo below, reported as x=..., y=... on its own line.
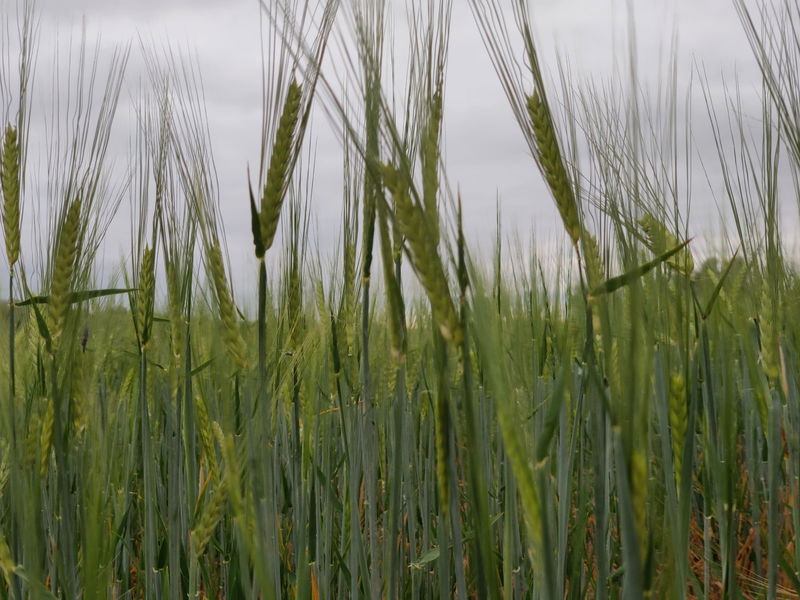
x=486, y=156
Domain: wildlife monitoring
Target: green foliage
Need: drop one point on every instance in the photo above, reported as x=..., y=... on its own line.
x=549, y=436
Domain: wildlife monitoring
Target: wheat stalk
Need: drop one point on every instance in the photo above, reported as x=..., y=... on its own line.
x=639, y=495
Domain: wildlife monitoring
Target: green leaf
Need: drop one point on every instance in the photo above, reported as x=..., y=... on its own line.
x=552, y=414
x=44, y=331
x=428, y=557
x=199, y=368
x=41, y=591
x=613, y=284
x=255, y=221
x=718, y=287
x=76, y=297
x=785, y=561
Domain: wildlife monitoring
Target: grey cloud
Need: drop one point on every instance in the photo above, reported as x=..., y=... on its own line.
x=485, y=154
x=138, y=9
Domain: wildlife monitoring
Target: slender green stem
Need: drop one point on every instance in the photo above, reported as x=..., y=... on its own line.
x=262, y=339
x=67, y=541
x=152, y=589
x=12, y=386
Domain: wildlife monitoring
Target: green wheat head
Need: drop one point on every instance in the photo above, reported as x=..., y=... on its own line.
x=552, y=164
x=227, y=311
x=278, y=173
x=63, y=271
x=146, y=296
x=414, y=225
x=9, y=183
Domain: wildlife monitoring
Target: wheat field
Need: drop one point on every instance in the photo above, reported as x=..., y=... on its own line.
x=410, y=417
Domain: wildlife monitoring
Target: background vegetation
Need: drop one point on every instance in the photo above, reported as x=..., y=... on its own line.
x=626, y=426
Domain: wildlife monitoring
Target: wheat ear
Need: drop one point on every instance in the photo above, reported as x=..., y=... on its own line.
x=279, y=165
x=678, y=422
x=146, y=296
x=9, y=183
x=63, y=271
x=426, y=262
x=552, y=165
x=233, y=338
